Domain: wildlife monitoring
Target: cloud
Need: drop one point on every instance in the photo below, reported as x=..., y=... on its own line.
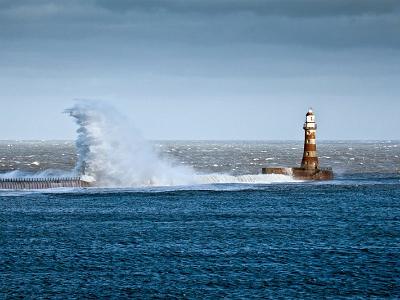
x=322, y=24
x=276, y=53
x=290, y=8
x=286, y=8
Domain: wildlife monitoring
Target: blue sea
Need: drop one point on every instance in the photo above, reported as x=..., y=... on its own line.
x=246, y=239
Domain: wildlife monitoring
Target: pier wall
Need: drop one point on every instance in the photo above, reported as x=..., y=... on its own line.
x=41, y=183
x=301, y=173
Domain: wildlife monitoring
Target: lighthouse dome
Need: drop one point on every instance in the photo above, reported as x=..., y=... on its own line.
x=310, y=112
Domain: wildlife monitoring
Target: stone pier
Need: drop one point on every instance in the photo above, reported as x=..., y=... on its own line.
x=41, y=183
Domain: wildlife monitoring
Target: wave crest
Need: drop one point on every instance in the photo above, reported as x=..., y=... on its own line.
x=113, y=152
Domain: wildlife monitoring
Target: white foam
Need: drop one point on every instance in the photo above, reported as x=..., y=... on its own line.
x=243, y=179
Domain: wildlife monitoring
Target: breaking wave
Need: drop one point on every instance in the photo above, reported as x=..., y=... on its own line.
x=113, y=153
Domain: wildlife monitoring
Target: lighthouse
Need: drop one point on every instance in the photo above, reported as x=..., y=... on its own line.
x=309, y=168
x=310, y=158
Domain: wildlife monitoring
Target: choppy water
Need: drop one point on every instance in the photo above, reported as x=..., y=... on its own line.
x=235, y=157
x=337, y=239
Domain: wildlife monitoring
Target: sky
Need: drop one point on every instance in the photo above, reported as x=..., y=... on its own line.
x=203, y=69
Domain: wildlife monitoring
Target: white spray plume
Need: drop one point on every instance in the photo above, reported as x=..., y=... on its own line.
x=114, y=153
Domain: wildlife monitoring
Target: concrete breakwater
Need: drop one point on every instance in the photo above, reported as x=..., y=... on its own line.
x=41, y=183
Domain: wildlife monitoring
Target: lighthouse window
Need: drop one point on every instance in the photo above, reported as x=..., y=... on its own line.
x=308, y=153
x=308, y=141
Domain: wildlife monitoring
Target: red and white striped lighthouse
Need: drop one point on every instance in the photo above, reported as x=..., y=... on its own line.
x=309, y=169
x=310, y=158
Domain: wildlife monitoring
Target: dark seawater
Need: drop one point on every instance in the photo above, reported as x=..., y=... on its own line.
x=337, y=239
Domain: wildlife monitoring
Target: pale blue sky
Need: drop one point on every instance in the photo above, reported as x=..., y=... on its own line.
x=203, y=69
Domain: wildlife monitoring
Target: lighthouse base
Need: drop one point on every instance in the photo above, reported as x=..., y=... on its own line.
x=302, y=173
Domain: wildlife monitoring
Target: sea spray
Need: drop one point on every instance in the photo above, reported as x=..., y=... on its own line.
x=113, y=152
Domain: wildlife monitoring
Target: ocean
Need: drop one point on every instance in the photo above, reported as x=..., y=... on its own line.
x=237, y=235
